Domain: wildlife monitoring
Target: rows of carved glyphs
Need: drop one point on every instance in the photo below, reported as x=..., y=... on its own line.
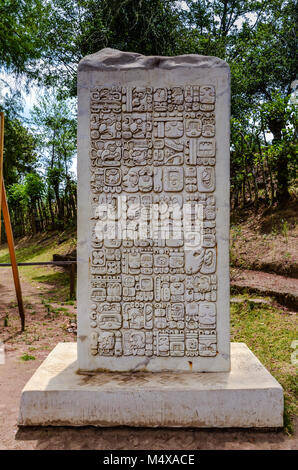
x=151, y=296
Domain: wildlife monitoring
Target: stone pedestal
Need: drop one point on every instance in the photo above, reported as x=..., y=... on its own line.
x=247, y=396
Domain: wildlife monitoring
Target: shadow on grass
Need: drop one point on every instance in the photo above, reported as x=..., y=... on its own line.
x=58, y=284
x=56, y=278
x=26, y=253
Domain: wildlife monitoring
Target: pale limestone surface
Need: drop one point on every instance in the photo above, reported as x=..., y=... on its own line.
x=247, y=396
x=135, y=115
x=163, y=334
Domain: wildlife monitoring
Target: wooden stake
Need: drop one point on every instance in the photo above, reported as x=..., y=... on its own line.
x=1, y=159
x=12, y=254
x=8, y=229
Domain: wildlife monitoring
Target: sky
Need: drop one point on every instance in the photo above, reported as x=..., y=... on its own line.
x=29, y=98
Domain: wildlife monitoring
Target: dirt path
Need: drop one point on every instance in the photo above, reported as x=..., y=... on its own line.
x=285, y=289
x=42, y=334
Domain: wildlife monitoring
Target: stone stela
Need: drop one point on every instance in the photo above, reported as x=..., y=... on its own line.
x=149, y=297
x=154, y=301
x=153, y=258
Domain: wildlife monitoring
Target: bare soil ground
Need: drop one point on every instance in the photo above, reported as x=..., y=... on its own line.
x=266, y=239
x=46, y=327
x=285, y=289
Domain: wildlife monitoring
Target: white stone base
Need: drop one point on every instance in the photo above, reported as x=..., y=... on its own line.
x=56, y=395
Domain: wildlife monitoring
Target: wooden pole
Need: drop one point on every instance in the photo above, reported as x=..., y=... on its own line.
x=8, y=229
x=1, y=160
x=12, y=254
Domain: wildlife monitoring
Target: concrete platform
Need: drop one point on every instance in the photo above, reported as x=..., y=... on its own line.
x=247, y=396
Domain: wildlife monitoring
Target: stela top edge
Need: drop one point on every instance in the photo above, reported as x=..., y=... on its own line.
x=114, y=60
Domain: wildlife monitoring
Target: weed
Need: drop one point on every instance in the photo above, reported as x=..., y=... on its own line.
x=27, y=357
x=284, y=228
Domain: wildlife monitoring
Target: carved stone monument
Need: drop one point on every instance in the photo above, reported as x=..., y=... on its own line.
x=153, y=141
x=153, y=264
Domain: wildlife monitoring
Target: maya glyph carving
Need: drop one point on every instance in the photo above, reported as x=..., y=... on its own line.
x=153, y=282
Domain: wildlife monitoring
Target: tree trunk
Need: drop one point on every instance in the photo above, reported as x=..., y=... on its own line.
x=40, y=215
x=256, y=188
x=51, y=211
x=282, y=193
x=33, y=221
x=261, y=160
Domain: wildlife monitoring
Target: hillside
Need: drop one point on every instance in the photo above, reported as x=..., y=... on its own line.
x=260, y=241
x=266, y=240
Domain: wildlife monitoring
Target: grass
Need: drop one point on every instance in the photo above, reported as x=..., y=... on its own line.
x=55, y=311
x=41, y=248
x=269, y=332
x=27, y=357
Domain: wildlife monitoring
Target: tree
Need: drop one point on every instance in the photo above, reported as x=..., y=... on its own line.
x=34, y=189
x=75, y=28
x=280, y=117
x=21, y=41
x=20, y=145
x=55, y=125
x=18, y=205
x=257, y=39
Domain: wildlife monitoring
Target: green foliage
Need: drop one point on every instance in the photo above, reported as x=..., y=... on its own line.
x=146, y=26
x=17, y=196
x=19, y=144
x=27, y=357
x=20, y=34
x=19, y=150
x=76, y=28
x=54, y=122
x=45, y=199
x=34, y=187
